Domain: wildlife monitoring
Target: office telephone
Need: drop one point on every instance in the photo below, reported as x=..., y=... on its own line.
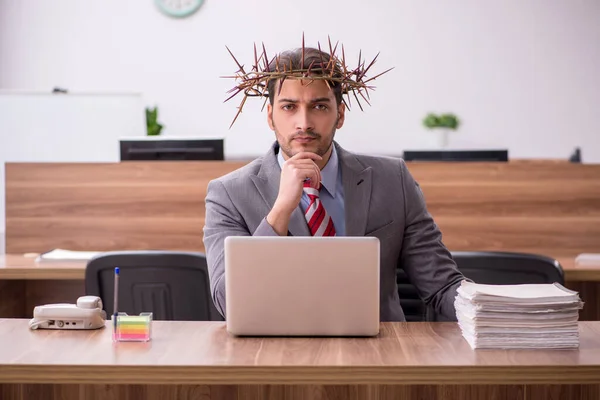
x=86, y=314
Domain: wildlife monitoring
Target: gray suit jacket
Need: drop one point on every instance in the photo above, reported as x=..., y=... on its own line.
x=381, y=199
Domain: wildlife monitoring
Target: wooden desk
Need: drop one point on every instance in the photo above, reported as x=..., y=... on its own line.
x=188, y=360
x=19, y=267
x=25, y=284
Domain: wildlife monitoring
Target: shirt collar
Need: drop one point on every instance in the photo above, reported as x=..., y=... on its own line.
x=329, y=174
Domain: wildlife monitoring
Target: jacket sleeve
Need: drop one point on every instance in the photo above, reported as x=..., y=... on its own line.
x=223, y=219
x=426, y=261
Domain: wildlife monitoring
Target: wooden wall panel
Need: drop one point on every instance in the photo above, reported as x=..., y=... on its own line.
x=115, y=206
x=541, y=207
x=555, y=236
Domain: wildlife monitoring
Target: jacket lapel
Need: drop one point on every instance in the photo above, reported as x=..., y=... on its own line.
x=267, y=184
x=356, y=180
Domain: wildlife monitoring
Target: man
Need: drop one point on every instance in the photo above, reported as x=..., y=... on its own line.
x=307, y=184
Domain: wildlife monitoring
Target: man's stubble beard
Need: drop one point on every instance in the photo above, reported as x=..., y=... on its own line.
x=287, y=150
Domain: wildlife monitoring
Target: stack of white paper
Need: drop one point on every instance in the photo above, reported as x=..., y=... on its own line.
x=531, y=316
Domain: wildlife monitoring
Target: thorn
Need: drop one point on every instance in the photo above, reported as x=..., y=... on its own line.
x=302, y=60
x=266, y=58
x=236, y=61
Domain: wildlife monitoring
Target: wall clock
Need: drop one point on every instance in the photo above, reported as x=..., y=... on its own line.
x=178, y=8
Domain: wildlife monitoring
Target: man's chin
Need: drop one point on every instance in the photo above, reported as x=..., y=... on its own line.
x=304, y=147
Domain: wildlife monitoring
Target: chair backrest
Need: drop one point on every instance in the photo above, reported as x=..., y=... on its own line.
x=504, y=268
x=173, y=285
x=487, y=267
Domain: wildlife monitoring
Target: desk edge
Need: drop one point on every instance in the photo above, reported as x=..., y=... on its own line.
x=300, y=375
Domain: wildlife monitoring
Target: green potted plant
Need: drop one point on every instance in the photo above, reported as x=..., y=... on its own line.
x=153, y=128
x=443, y=123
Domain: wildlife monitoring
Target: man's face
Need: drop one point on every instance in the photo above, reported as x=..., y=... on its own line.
x=305, y=116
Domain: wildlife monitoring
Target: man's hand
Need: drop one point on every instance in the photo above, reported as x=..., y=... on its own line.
x=293, y=174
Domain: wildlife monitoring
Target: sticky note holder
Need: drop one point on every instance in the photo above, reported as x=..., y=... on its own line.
x=133, y=328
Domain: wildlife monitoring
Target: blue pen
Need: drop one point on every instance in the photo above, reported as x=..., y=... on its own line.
x=116, y=302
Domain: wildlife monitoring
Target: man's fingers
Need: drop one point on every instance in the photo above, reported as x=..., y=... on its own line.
x=306, y=172
x=304, y=161
x=297, y=163
x=305, y=155
x=302, y=171
x=304, y=167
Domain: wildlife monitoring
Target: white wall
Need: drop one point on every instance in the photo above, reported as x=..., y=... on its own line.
x=521, y=74
x=68, y=128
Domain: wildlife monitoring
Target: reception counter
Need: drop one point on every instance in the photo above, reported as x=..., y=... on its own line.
x=539, y=207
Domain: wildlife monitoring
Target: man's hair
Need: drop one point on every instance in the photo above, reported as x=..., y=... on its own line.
x=315, y=61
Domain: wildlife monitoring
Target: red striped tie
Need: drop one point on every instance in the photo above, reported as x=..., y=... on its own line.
x=319, y=222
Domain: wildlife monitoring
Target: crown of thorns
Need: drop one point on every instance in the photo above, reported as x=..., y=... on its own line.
x=254, y=83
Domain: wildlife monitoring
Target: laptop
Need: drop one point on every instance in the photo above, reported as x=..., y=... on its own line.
x=302, y=286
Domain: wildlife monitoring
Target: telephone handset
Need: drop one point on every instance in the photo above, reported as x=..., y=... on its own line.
x=86, y=314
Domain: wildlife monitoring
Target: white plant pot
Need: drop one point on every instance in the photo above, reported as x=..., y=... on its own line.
x=443, y=137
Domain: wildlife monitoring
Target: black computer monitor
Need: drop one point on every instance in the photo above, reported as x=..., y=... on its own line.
x=162, y=149
x=456, y=155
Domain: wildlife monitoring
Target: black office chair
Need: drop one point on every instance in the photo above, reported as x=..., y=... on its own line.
x=505, y=268
x=172, y=285
x=487, y=267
